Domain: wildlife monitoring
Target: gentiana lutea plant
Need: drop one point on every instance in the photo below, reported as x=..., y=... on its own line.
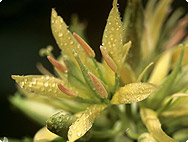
x=139, y=86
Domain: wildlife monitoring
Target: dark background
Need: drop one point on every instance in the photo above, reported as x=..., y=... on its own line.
x=24, y=29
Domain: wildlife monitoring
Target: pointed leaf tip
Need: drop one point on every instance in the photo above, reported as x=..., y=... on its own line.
x=114, y=3
x=13, y=76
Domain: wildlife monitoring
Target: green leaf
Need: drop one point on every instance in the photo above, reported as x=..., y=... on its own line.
x=133, y=25
x=39, y=112
x=181, y=135
x=75, y=76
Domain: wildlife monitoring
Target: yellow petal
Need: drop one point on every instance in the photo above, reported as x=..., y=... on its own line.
x=84, y=122
x=44, y=135
x=150, y=119
x=161, y=68
x=113, y=35
x=133, y=92
x=42, y=85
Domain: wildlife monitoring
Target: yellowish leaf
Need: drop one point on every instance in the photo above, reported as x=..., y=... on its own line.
x=42, y=85
x=44, y=135
x=161, y=68
x=66, y=41
x=127, y=74
x=113, y=35
x=176, y=54
x=146, y=137
x=143, y=72
x=84, y=122
x=133, y=92
x=155, y=15
x=109, y=76
x=179, y=106
x=150, y=119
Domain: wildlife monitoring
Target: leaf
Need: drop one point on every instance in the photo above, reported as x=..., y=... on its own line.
x=176, y=52
x=178, y=107
x=168, y=27
x=127, y=74
x=42, y=85
x=133, y=92
x=146, y=137
x=44, y=135
x=66, y=42
x=155, y=99
x=161, y=68
x=133, y=25
x=150, y=119
x=113, y=35
x=75, y=76
x=155, y=15
x=181, y=135
x=37, y=111
x=84, y=122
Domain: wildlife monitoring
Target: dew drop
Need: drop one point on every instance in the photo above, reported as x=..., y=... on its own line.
x=79, y=134
x=60, y=34
x=47, y=77
x=71, y=42
x=46, y=84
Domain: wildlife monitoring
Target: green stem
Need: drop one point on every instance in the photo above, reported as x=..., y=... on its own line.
x=98, y=69
x=116, y=83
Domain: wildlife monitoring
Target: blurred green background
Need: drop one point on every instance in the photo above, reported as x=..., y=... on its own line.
x=24, y=30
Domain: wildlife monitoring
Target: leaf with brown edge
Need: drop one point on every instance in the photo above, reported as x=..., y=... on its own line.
x=150, y=119
x=84, y=122
x=133, y=92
